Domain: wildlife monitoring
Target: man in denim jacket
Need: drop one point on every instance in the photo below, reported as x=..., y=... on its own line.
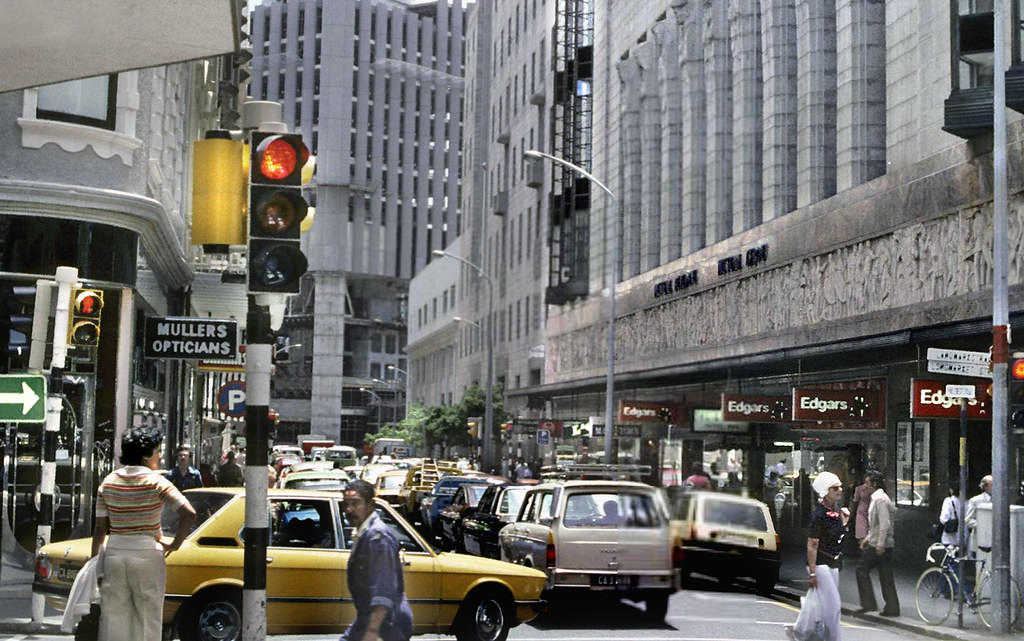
x=375, y=577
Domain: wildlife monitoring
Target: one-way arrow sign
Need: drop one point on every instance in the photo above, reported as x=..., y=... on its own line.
x=22, y=399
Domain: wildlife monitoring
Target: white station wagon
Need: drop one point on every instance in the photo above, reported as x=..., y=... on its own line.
x=607, y=536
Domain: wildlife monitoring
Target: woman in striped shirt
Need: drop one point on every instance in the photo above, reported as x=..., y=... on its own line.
x=129, y=504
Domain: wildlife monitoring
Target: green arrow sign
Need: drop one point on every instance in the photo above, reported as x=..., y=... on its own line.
x=22, y=399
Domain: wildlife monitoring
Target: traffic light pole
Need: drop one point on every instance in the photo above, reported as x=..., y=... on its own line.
x=66, y=278
x=258, y=362
x=1000, y=340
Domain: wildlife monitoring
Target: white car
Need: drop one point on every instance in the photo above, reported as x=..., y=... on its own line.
x=594, y=536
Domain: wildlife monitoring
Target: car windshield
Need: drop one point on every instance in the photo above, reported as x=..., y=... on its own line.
x=736, y=514
x=205, y=504
x=391, y=482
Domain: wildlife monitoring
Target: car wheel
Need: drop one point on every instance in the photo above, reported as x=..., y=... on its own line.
x=216, y=616
x=485, y=617
x=765, y=583
x=657, y=608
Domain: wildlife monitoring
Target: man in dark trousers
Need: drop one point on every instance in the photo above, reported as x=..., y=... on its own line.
x=877, y=549
x=183, y=475
x=375, y=577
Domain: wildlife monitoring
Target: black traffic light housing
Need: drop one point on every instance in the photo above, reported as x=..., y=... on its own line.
x=84, y=324
x=16, y=307
x=276, y=210
x=1016, y=394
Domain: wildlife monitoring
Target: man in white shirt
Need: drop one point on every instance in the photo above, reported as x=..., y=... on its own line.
x=877, y=549
x=971, y=512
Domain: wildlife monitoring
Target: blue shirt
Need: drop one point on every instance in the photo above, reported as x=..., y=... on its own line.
x=375, y=578
x=190, y=479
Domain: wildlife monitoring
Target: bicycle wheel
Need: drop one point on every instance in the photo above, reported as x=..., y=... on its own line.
x=983, y=601
x=934, y=596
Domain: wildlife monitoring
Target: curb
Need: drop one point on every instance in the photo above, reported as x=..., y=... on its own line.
x=790, y=594
x=27, y=626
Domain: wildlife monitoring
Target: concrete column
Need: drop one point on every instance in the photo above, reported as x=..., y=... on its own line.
x=860, y=92
x=718, y=72
x=329, y=348
x=646, y=56
x=666, y=37
x=745, y=41
x=690, y=18
x=632, y=159
x=816, y=100
x=778, y=47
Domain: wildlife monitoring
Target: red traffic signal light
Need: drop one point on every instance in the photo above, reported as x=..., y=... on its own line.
x=84, y=328
x=278, y=158
x=1017, y=370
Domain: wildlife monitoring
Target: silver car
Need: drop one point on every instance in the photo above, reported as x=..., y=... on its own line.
x=610, y=536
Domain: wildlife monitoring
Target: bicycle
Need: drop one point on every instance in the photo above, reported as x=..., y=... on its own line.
x=937, y=588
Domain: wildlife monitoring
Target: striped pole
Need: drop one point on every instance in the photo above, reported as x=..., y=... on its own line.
x=66, y=278
x=258, y=361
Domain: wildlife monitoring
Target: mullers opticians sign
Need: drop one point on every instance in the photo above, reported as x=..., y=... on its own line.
x=189, y=338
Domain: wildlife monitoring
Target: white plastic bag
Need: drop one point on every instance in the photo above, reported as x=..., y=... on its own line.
x=810, y=625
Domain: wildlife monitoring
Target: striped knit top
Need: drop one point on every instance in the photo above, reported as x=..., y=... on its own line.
x=133, y=498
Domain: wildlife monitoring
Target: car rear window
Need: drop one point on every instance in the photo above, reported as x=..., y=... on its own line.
x=611, y=510
x=737, y=514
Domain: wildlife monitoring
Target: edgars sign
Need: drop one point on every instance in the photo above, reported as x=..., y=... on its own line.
x=928, y=400
x=756, y=409
x=648, y=412
x=188, y=338
x=864, y=408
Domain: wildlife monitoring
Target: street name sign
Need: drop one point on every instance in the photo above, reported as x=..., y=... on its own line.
x=958, y=356
x=960, y=391
x=191, y=338
x=22, y=398
x=959, y=369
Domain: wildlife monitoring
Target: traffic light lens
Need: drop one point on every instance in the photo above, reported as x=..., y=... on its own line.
x=277, y=214
x=278, y=159
x=88, y=305
x=278, y=265
x=1017, y=371
x=85, y=333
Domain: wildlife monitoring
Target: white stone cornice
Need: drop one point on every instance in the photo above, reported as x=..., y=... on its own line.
x=140, y=214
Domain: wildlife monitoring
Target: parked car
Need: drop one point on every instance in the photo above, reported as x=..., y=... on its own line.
x=726, y=536
x=498, y=507
x=449, y=520
x=597, y=536
x=474, y=599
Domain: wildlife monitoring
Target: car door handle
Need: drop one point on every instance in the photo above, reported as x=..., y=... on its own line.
x=270, y=560
x=401, y=557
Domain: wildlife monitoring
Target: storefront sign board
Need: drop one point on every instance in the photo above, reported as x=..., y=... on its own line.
x=648, y=412
x=711, y=420
x=756, y=409
x=928, y=399
x=855, y=406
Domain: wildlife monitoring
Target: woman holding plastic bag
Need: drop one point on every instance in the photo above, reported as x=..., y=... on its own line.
x=820, y=609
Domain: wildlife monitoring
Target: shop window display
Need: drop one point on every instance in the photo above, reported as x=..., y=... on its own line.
x=912, y=462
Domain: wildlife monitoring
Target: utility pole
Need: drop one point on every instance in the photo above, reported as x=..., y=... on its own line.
x=1000, y=342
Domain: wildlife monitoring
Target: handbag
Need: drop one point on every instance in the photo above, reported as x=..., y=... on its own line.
x=952, y=525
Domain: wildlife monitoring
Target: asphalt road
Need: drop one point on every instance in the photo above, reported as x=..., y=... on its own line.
x=700, y=614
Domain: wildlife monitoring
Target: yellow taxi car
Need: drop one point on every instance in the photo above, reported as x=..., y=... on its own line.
x=307, y=593
x=389, y=486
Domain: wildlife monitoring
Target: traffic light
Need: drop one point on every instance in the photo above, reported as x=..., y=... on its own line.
x=473, y=426
x=16, y=307
x=218, y=192
x=1016, y=394
x=84, y=326
x=276, y=210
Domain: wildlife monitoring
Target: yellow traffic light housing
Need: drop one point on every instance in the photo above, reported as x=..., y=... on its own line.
x=84, y=325
x=473, y=427
x=218, y=192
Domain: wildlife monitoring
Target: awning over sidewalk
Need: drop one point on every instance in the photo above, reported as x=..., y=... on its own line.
x=50, y=41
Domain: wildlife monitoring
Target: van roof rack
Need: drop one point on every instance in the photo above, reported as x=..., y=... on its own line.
x=594, y=471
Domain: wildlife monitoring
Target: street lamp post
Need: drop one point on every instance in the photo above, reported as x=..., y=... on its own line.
x=488, y=431
x=376, y=399
x=613, y=244
x=399, y=370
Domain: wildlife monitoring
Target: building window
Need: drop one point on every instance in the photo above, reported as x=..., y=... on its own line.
x=913, y=459
x=89, y=101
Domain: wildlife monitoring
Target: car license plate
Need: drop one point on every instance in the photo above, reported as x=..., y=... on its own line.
x=617, y=581
x=737, y=539
x=64, y=573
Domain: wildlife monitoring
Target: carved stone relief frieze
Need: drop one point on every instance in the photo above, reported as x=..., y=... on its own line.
x=932, y=261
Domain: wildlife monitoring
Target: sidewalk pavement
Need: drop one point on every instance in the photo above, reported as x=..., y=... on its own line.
x=16, y=604
x=793, y=585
